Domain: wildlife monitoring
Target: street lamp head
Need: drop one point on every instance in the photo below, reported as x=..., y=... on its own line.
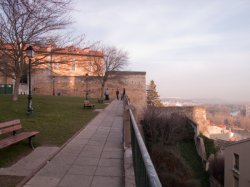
x=29, y=51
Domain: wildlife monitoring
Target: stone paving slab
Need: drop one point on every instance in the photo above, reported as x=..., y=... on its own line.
x=28, y=164
x=101, y=181
x=42, y=181
x=93, y=158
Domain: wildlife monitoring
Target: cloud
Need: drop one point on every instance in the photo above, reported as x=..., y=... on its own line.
x=177, y=41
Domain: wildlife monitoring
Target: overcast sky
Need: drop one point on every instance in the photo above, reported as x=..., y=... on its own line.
x=190, y=48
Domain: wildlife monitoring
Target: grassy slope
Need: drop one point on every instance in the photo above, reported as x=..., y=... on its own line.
x=188, y=152
x=56, y=118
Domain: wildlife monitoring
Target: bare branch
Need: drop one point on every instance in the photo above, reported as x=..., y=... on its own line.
x=113, y=60
x=24, y=22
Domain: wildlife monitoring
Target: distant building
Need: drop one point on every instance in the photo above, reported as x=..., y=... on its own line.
x=217, y=129
x=237, y=164
x=220, y=132
x=247, y=110
x=176, y=101
x=51, y=63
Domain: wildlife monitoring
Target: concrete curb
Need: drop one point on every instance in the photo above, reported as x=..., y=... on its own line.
x=129, y=168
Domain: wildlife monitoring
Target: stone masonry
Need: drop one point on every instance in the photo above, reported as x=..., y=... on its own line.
x=195, y=113
x=133, y=82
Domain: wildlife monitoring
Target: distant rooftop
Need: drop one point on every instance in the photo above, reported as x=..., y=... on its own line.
x=128, y=72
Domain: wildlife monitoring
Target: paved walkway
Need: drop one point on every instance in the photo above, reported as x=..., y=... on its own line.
x=26, y=165
x=94, y=158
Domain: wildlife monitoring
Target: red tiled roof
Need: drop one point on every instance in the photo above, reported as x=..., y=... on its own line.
x=65, y=50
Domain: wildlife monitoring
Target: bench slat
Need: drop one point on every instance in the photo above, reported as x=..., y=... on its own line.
x=14, y=139
x=9, y=123
x=10, y=128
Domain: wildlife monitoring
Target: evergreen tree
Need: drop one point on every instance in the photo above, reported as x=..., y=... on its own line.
x=153, y=98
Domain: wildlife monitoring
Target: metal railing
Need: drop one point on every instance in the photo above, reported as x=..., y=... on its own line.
x=145, y=174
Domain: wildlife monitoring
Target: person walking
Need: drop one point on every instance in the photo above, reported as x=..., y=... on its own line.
x=117, y=94
x=106, y=94
x=123, y=94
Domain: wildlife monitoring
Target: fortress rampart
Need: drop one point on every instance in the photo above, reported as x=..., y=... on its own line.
x=133, y=82
x=195, y=113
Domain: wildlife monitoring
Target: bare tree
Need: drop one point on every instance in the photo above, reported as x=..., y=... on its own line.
x=24, y=22
x=113, y=60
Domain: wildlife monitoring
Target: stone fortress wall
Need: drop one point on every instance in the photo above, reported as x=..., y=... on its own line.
x=133, y=82
x=198, y=120
x=197, y=114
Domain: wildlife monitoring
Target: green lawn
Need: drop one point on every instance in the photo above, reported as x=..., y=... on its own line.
x=57, y=119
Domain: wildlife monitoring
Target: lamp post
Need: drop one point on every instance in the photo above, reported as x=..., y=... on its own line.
x=30, y=54
x=87, y=92
x=53, y=84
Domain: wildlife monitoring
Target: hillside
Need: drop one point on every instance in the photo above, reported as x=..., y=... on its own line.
x=171, y=146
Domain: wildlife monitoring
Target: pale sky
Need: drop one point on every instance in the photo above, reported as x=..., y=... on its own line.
x=190, y=48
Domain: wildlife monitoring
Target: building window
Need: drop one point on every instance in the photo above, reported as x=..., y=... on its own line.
x=236, y=161
x=73, y=68
x=236, y=181
x=56, y=65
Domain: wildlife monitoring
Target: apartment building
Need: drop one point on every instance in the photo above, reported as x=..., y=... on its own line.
x=237, y=164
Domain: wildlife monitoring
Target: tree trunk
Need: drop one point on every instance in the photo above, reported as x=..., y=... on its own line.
x=16, y=89
x=102, y=90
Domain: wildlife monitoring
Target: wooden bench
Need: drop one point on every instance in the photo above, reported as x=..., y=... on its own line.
x=100, y=100
x=87, y=104
x=13, y=126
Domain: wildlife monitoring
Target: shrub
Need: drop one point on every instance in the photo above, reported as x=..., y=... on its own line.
x=163, y=131
x=165, y=128
x=209, y=145
x=171, y=169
